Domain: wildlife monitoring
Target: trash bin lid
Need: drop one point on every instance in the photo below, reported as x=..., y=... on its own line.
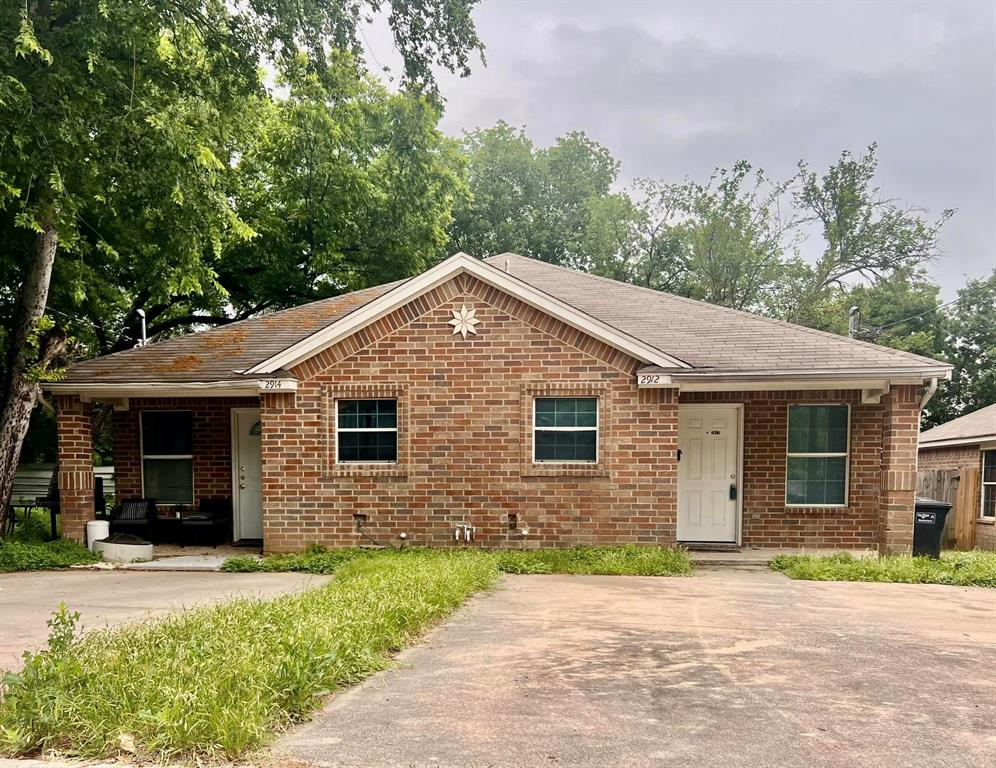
x=925, y=502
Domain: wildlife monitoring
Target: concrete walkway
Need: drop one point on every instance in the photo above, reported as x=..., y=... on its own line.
x=105, y=598
x=724, y=669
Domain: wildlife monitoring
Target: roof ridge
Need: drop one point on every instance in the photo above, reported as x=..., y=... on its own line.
x=719, y=307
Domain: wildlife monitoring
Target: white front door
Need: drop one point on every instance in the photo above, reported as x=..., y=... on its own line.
x=708, y=484
x=247, y=473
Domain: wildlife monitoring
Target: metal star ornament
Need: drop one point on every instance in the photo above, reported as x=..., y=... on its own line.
x=463, y=322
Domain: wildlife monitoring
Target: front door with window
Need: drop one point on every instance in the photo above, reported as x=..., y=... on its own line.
x=708, y=483
x=248, y=476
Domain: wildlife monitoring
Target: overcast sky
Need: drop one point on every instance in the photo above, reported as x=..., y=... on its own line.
x=676, y=89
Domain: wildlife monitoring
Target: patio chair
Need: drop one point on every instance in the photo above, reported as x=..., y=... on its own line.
x=212, y=522
x=135, y=516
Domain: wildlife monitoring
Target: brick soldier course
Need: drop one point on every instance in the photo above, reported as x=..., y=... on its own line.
x=465, y=409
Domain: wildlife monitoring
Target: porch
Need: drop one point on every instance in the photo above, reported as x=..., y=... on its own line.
x=187, y=460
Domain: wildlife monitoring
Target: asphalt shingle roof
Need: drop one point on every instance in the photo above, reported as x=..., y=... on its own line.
x=977, y=424
x=703, y=335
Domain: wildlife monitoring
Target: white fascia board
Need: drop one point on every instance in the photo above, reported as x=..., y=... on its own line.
x=442, y=272
x=956, y=441
x=98, y=391
x=871, y=374
x=779, y=385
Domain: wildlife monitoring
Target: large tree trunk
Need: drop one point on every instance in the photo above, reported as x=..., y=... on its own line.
x=20, y=388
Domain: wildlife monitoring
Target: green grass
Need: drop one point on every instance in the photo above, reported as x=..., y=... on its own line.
x=27, y=547
x=976, y=569
x=610, y=561
x=216, y=682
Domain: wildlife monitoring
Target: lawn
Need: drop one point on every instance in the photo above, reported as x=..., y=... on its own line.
x=967, y=569
x=27, y=548
x=607, y=561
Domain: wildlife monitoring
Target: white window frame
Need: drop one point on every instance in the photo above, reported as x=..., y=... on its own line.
x=846, y=455
x=595, y=429
x=143, y=456
x=983, y=484
x=338, y=429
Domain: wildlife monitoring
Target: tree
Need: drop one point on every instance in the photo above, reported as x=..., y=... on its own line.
x=866, y=236
x=532, y=201
x=971, y=348
x=119, y=124
x=723, y=241
x=639, y=237
x=738, y=238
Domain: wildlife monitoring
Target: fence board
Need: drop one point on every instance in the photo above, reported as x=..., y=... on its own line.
x=940, y=485
x=966, y=508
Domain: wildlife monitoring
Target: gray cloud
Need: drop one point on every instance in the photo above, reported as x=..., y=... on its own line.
x=676, y=89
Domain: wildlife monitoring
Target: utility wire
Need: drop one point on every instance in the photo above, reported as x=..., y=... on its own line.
x=966, y=295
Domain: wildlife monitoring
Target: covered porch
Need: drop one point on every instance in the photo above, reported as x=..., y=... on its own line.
x=187, y=467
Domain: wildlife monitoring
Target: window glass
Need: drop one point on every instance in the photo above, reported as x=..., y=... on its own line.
x=367, y=430
x=989, y=484
x=167, y=433
x=565, y=429
x=169, y=481
x=816, y=468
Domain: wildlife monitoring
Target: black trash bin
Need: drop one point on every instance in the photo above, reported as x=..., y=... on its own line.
x=928, y=526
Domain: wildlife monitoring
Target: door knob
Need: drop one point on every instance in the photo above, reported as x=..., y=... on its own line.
x=242, y=486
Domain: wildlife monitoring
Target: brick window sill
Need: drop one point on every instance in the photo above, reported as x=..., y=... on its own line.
x=563, y=470
x=368, y=470
x=985, y=520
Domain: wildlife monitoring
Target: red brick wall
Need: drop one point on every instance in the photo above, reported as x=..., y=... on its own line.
x=953, y=457
x=74, y=421
x=464, y=441
x=767, y=521
x=212, y=437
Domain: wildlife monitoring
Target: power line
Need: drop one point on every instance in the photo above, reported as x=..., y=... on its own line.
x=965, y=295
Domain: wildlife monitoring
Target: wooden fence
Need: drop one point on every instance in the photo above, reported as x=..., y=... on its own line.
x=960, y=488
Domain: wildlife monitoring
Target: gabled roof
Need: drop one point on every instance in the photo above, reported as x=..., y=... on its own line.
x=668, y=333
x=975, y=427
x=706, y=335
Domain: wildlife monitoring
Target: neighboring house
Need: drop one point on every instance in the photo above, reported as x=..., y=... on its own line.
x=968, y=442
x=513, y=403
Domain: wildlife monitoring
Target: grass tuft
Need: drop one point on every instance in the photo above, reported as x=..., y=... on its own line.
x=216, y=682
x=976, y=569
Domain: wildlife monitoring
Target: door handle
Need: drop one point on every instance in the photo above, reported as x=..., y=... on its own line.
x=242, y=486
x=733, y=491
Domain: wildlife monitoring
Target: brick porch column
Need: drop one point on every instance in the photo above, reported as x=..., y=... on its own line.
x=900, y=429
x=75, y=428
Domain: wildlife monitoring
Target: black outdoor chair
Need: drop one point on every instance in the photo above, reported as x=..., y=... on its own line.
x=135, y=516
x=212, y=522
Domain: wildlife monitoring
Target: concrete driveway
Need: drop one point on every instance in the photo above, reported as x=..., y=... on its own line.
x=104, y=598
x=727, y=668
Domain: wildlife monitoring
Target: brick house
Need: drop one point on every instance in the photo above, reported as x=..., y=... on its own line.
x=518, y=404
x=968, y=442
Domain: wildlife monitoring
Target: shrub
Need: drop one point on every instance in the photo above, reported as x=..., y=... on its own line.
x=959, y=568
x=217, y=681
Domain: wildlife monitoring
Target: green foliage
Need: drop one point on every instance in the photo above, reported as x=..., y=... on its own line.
x=976, y=569
x=216, y=682
x=27, y=548
x=608, y=561
x=42, y=555
x=971, y=347
x=533, y=201
x=612, y=561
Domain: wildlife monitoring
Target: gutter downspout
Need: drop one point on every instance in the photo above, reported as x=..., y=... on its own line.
x=928, y=393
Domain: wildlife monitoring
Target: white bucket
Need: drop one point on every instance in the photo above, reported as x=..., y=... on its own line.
x=96, y=530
